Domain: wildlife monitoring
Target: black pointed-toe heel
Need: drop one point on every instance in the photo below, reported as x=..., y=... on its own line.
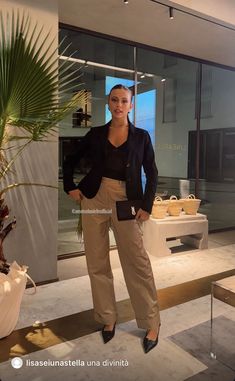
x=108, y=335
x=150, y=344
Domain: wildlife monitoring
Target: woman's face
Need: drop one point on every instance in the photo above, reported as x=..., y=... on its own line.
x=120, y=103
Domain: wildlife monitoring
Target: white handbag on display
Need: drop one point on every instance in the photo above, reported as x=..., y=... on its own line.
x=12, y=287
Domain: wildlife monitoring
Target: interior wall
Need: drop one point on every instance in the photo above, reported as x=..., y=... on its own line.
x=34, y=240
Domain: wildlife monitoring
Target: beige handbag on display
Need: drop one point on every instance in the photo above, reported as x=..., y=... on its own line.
x=175, y=206
x=191, y=204
x=12, y=287
x=159, y=208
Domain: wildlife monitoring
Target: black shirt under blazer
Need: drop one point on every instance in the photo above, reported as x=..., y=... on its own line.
x=140, y=153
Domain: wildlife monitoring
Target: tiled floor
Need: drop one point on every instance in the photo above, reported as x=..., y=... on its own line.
x=64, y=331
x=183, y=352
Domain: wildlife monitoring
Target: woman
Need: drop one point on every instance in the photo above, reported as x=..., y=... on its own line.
x=119, y=150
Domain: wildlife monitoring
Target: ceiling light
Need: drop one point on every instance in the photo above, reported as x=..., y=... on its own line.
x=171, y=13
x=163, y=80
x=96, y=64
x=126, y=1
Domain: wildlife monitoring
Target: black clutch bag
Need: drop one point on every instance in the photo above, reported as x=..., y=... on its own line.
x=127, y=209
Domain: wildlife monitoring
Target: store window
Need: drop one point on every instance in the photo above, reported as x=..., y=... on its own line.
x=217, y=148
x=166, y=93
x=103, y=64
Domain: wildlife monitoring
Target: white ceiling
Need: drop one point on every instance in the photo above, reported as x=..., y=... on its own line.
x=146, y=22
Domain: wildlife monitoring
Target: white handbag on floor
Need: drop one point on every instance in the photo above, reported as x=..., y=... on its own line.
x=12, y=287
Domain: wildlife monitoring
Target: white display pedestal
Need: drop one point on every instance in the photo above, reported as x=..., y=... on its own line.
x=192, y=230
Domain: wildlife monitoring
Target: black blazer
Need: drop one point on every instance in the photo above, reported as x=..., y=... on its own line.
x=140, y=153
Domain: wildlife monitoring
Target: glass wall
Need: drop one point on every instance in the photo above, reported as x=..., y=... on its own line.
x=217, y=146
x=103, y=63
x=165, y=96
x=172, y=82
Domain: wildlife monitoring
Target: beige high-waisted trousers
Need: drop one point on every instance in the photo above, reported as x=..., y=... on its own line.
x=133, y=257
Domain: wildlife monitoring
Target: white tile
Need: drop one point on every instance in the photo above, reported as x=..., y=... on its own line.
x=122, y=359
x=74, y=295
x=165, y=362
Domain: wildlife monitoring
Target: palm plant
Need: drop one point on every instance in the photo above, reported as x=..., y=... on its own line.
x=33, y=96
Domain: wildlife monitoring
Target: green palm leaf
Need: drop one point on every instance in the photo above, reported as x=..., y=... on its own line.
x=33, y=92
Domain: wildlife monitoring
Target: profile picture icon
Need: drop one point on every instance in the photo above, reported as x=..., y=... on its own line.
x=16, y=362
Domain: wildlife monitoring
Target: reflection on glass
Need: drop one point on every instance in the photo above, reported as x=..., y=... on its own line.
x=110, y=82
x=175, y=106
x=217, y=146
x=146, y=117
x=103, y=63
x=165, y=107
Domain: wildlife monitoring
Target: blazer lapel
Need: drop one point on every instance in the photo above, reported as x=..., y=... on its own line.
x=131, y=141
x=104, y=137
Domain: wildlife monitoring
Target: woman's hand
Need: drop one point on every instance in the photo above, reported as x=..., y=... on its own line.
x=76, y=195
x=142, y=215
